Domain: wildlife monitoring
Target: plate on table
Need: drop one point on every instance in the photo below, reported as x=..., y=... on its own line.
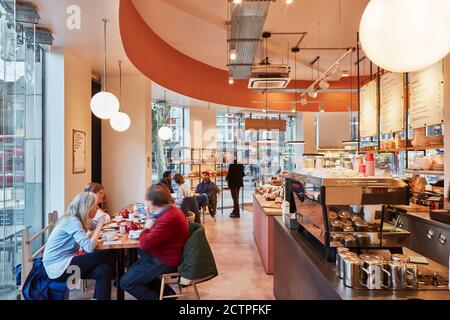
x=115, y=239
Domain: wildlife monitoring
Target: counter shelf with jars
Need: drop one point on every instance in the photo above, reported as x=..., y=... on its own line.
x=333, y=158
x=343, y=211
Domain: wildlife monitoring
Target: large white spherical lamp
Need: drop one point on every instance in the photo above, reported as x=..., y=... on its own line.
x=104, y=105
x=120, y=122
x=406, y=35
x=165, y=133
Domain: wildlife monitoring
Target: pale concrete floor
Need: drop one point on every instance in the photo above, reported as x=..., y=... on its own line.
x=241, y=273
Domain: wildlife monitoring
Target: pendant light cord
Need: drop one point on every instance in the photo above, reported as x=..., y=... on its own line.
x=105, y=21
x=120, y=82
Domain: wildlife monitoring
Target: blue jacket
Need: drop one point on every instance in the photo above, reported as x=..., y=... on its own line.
x=39, y=286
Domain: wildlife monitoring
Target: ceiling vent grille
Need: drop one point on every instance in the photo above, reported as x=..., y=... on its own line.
x=246, y=27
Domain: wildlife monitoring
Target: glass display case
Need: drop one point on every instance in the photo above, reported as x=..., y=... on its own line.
x=348, y=212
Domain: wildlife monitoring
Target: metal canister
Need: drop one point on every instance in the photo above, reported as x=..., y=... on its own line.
x=353, y=272
x=397, y=270
x=340, y=255
x=411, y=276
x=363, y=240
x=374, y=274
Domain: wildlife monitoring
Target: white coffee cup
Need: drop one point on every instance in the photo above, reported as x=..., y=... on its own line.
x=118, y=219
x=109, y=235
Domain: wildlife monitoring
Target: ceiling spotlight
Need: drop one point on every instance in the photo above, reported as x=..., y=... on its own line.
x=233, y=55
x=237, y=1
x=303, y=101
x=345, y=74
x=264, y=110
x=230, y=80
x=321, y=108
x=312, y=93
x=289, y=1
x=324, y=84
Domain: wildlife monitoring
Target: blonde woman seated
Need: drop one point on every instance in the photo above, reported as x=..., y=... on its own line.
x=99, y=192
x=62, y=256
x=183, y=190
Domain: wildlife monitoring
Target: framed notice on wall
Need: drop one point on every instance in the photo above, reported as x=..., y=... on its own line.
x=392, y=109
x=427, y=96
x=368, y=110
x=79, y=151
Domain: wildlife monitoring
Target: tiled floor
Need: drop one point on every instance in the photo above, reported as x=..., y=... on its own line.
x=241, y=274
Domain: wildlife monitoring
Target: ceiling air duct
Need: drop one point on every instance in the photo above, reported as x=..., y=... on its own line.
x=247, y=20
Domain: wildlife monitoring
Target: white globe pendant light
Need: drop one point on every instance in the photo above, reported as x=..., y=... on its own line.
x=104, y=104
x=120, y=122
x=406, y=35
x=165, y=133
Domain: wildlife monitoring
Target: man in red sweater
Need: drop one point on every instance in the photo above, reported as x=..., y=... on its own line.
x=161, y=246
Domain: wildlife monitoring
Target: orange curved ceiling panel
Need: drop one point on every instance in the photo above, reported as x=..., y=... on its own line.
x=176, y=71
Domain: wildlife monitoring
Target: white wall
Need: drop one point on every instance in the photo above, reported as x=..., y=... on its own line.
x=334, y=127
x=126, y=157
x=68, y=85
x=78, y=92
x=203, y=127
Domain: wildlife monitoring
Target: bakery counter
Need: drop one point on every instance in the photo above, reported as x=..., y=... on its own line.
x=263, y=219
x=302, y=273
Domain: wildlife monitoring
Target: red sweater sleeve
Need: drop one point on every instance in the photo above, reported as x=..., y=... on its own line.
x=160, y=233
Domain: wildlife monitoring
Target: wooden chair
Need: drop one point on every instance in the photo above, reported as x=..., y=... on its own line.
x=27, y=254
x=182, y=283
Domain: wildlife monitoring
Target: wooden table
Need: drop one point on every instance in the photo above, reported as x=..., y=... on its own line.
x=127, y=245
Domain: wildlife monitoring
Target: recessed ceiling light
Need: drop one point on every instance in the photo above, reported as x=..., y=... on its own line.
x=237, y=1
x=231, y=80
x=289, y=1
x=321, y=108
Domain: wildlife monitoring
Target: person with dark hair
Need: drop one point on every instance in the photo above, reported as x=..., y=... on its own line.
x=208, y=192
x=167, y=180
x=99, y=192
x=161, y=246
x=183, y=190
x=235, y=179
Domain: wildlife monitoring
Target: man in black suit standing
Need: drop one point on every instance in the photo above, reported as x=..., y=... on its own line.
x=235, y=179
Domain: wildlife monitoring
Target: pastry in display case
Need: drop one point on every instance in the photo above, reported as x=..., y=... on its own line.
x=339, y=208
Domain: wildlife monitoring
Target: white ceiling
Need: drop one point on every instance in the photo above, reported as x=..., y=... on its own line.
x=87, y=43
x=197, y=28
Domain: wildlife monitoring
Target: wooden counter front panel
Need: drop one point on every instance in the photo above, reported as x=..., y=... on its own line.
x=295, y=277
x=263, y=234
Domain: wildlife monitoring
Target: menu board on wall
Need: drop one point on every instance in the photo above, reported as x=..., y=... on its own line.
x=79, y=151
x=368, y=110
x=427, y=97
x=392, y=109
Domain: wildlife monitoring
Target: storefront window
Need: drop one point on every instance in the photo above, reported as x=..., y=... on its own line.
x=167, y=155
x=21, y=140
